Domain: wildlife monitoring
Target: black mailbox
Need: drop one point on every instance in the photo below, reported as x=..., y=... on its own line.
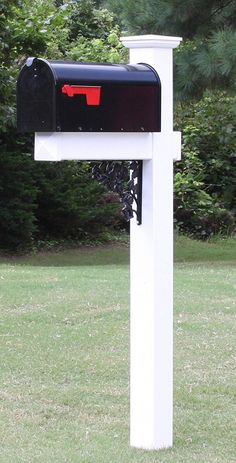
x=71, y=97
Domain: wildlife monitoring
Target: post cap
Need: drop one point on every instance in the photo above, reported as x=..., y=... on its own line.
x=151, y=41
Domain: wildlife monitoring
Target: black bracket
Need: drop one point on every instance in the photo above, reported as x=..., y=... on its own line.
x=125, y=179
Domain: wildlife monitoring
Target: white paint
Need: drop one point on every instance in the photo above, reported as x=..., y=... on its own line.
x=151, y=332
x=61, y=146
x=92, y=146
x=151, y=41
x=58, y=146
x=151, y=356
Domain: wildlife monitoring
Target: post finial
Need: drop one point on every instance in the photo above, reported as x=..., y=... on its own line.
x=151, y=41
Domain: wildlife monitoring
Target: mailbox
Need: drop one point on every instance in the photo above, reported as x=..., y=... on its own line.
x=67, y=96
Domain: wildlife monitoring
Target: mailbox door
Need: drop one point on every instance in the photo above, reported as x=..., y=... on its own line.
x=36, y=110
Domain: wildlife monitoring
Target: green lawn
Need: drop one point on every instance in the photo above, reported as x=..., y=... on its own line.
x=64, y=353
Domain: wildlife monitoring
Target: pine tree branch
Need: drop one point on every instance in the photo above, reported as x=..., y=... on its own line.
x=221, y=8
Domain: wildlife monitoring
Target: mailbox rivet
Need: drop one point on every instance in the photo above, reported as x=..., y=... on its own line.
x=121, y=129
x=80, y=128
x=101, y=128
x=142, y=128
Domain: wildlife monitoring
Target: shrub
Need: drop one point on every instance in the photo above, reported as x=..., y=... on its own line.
x=70, y=204
x=41, y=200
x=205, y=180
x=17, y=202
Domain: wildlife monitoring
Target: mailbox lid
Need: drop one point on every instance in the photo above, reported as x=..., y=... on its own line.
x=100, y=73
x=52, y=96
x=130, y=98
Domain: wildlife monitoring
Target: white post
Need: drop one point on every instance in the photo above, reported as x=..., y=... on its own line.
x=151, y=357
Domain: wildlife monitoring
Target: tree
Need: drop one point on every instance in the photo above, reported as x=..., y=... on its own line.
x=17, y=189
x=175, y=17
x=48, y=200
x=207, y=57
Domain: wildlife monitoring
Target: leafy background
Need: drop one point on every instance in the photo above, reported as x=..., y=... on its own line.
x=52, y=201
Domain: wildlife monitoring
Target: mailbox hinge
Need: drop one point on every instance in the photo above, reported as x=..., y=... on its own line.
x=125, y=179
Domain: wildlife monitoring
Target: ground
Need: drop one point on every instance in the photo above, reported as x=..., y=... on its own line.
x=64, y=352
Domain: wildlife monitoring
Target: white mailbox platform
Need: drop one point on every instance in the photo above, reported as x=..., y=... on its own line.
x=151, y=273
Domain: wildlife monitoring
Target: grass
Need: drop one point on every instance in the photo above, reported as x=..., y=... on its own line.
x=64, y=349
x=215, y=250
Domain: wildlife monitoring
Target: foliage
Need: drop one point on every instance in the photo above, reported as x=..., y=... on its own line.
x=97, y=50
x=207, y=57
x=69, y=204
x=92, y=34
x=53, y=200
x=87, y=21
x=17, y=202
x=174, y=17
x=22, y=33
x=205, y=181
x=62, y=200
x=206, y=64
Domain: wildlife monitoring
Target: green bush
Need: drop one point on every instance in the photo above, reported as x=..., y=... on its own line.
x=49, y=200
x=205, y=224
x=205, y=179
x=17, y=202
x=70, y=204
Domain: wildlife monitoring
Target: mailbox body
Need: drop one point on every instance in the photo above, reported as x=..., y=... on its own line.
x=55, y=96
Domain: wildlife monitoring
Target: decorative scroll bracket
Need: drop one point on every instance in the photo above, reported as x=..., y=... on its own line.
x=116, y=177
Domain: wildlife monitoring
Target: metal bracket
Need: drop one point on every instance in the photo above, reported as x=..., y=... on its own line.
x=125, y=179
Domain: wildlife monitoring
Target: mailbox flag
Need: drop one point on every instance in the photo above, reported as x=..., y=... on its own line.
x=92, y=93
